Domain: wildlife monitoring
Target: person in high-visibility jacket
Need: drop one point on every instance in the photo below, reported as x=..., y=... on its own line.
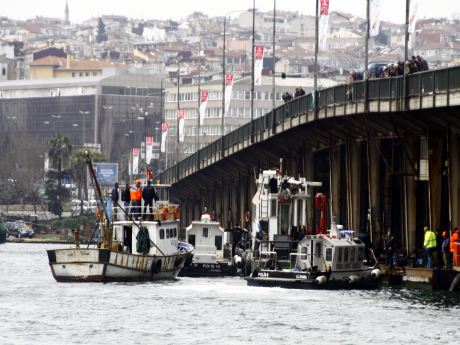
x=136, y=197
x=455, y=241
x=429, y=244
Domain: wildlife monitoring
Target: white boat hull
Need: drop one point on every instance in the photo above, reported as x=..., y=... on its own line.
x=103, y=265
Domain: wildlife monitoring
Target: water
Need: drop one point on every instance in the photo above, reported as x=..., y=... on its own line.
x=34, y=309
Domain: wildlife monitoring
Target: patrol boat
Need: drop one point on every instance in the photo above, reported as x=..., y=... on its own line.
x=283, y=256
x=212, y=254
x=128, y=250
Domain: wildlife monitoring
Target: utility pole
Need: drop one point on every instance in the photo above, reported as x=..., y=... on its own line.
x=253, y=67
x=223, y=79
x=273, y=59
x=178, y=108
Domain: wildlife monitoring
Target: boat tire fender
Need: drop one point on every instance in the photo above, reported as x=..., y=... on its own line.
x=353, y=279
x=321, y=280
x=375, y=273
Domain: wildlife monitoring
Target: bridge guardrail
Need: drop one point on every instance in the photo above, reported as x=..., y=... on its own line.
x=419, y=84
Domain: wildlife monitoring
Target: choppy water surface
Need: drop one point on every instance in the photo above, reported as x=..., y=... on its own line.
x=34, y=309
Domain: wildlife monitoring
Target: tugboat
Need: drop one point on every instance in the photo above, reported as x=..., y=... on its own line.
x=283, y=255
x=212, y=254
x=128, y=250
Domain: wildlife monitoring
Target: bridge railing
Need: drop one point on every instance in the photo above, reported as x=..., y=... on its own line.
x=419, y=84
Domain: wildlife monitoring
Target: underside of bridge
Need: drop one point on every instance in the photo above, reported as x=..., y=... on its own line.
x=380, y=171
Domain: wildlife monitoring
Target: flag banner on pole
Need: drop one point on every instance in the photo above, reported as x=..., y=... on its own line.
x=135, y=160
x=413, y=13
x=228, y=91
x=258, y=65
x=323, y=25
x=374, y=17
x=148, y=149
x=164, y=134
x=181, y=115
x=203, y=104
x=47, y=162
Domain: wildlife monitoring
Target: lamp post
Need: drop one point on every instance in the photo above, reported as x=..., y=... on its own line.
x=84, y=113
x=253, y=67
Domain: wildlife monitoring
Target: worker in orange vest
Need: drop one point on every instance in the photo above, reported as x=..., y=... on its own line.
x=136, y=197
x=455, y=242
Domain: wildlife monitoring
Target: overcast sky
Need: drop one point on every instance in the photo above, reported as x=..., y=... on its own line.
x=393, y=10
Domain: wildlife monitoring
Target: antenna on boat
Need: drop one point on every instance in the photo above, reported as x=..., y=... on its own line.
x=281, y=166
x=96, y=185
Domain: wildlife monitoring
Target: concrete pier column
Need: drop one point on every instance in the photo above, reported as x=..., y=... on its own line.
x=373, y=159
x=335, y=178
x=410, y=192
x=454, y=173
x=353, y=176
x=435, y=161
x=309, y=173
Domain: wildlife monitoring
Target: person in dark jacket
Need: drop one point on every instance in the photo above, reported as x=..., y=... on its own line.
x=115, y=197
x=149, y=194
x=445, y=248
x=390, y=249
x=126, y=197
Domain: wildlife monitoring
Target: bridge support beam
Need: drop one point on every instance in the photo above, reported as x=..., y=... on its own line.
x=373, y=159
x=353, y=174
x=436, y=146
x=410, y=194
x=335, y=178
x=454, y=173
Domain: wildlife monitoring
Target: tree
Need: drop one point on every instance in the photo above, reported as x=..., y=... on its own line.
x=78, y=168
x=59, y=152
x=101, y=33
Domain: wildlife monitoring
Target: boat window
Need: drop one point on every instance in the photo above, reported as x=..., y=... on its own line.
x=205, y=232
x=360, y=254
x=318, y=248
x=352, y=254
x=340, y=254
x=167, y=233
x=218, y=242
x=346, y=254
x=273, y=208
x=175, y=232
x=328, y=254
x=191, y=239
x=304, y=252
x=162, y=234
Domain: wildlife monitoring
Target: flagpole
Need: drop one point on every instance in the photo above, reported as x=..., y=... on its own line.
x=178, y=108
x=197, y=133
x=223, y=79
x=366, y=56
x=253, y=67
x=273, y=58
x=406, y=53
x=315, y=80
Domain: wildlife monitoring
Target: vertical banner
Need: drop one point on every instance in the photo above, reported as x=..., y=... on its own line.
x=323, y=23
x=47, y=162
x=413, y=13
x=181, y=115
x=148, y=149
x=374, y=17
x=228, y=91
x=203, y=104
x=135, y=160
x=258, y=65
x=164, y=134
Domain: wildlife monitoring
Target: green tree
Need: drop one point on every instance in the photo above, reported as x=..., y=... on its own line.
x=79, y=169
x=59, y=153
x=101, y=33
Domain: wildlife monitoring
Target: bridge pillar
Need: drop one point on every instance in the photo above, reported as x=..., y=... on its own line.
x=353, y=167
x=308, y=171
x=335, y=177
x=373, y=159
x=435, y=172
x=410, y=194
x=454, y=173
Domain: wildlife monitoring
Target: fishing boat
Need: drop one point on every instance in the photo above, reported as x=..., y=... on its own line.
x=284, y=255
x=128, y=250
x=212, y=253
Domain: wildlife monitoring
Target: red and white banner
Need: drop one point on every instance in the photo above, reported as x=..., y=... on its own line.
x=135, y=160
x=148, y=149
x=258, y=65
x=374, y=17
x=228, y=91
x=47, y=162
x=203, y=104
x=413, y=14
x=323, y=25
x=164, y=134
x=181, y=115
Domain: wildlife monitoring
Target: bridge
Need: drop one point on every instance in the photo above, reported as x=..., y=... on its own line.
x=386, y=151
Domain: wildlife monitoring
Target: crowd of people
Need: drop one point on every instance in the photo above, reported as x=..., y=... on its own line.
x=413, y=65
x=299, y=92
x=132, y=196
x=439, y=249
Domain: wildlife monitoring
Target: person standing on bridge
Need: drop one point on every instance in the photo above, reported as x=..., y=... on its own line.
x=429, y=244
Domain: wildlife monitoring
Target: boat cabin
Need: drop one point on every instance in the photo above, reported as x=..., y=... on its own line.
x=209, y=240
x=164, y=235
x=329, y=252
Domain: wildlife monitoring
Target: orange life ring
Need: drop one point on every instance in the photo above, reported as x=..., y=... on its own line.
x=164, y=213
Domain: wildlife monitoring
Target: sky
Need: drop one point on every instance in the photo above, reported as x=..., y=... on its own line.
x=80, y=10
